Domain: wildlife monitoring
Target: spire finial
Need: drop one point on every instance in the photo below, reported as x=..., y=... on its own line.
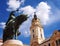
x=35, y=15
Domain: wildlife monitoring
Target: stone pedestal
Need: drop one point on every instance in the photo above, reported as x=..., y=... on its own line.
x=12, y=43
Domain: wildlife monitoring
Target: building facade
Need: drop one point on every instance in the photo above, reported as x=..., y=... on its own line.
x=37, y=35
x=54, y=40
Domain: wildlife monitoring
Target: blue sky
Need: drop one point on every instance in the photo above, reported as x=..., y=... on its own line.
x=48, y=11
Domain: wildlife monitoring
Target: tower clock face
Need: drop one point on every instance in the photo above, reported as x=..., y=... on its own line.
x=36, y=23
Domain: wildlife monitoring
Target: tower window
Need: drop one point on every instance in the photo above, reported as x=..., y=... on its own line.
x=33, y=35
x=41, y=35
x=33, y=30
x=57, y=42
x=49, y=44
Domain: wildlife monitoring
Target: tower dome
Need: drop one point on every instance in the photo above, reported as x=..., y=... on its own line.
x=13, y=43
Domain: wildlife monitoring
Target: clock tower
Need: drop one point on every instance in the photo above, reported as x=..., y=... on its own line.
x=37, y=33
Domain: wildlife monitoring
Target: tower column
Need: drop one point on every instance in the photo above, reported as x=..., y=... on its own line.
x=37, y=33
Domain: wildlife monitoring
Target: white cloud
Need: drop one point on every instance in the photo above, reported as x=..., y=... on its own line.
x=25, y=28
x=2, y=24
x=28, y=10
x=14, y=4
x=55, y=17
x=22, y=1
x=43, y=12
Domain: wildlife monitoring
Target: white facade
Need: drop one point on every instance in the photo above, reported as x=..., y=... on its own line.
x=37, y=33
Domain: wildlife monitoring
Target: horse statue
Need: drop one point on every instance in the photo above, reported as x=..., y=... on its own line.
x=12, y=26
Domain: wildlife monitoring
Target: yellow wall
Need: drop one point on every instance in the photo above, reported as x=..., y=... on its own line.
x=52, y=40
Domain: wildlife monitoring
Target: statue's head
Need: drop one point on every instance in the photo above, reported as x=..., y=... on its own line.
x=23, y=17
x=19, y=20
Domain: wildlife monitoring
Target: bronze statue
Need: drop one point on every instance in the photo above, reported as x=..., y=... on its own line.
x=12, y=26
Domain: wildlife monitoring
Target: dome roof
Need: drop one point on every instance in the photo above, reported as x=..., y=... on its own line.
x=13, y=43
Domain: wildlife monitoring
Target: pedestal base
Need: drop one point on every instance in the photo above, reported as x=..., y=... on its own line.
x=12, y=43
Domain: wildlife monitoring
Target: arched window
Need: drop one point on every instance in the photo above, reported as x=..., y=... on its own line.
x=33, y=30
x=41, y=35
x=49, y=44
x=33, y=35
x=57, y=42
